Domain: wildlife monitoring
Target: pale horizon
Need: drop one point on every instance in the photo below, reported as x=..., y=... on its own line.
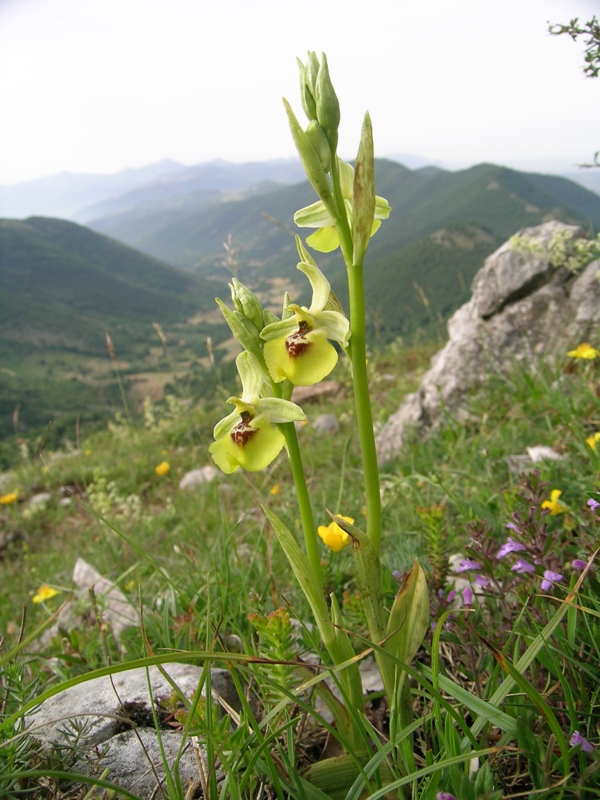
x=98, y=87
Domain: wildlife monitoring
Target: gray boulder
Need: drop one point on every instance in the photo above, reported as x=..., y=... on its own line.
x=522, y=309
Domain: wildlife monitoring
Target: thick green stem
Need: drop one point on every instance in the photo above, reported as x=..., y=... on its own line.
x=364, y=416
x=304, y=505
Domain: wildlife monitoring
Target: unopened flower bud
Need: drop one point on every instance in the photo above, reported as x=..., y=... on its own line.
x=247, y=303
x=328, y=106
x=316, y=136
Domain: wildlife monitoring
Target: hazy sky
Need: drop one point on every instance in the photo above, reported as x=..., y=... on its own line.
x=100, y=85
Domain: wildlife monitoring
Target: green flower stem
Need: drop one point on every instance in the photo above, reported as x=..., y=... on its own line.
x=358, y=355
x=362, y=399
x=306, y=514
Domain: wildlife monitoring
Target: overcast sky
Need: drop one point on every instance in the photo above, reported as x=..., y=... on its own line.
x=100, y=85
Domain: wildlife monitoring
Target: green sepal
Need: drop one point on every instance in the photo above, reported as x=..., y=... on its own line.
x=328, y=106
x=287, y=311
x=325, y=240
x=409, y=617
x=303, y=252
x=279, y=410
x=244, y=331
x=310, y=158
x=247, y=303
x=363, y=193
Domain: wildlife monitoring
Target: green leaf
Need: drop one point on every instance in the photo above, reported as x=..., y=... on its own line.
x=409, y=617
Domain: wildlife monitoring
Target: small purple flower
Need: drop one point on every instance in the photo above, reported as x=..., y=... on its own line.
x=510, y=547
x=396, y=575
x=467, y=564
x=468, y=596
x=451, y=596
x=593, y=504
x=579, y=563
x=481, y=581
x=523, y=566
x=550, y=578
x=444, y=796
x=577, y=738
x=512, y=526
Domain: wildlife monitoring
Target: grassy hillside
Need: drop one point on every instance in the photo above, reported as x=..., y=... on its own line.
x=442, y=226
x=63, y=288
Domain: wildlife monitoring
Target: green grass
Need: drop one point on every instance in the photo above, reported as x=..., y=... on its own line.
x=205, y=559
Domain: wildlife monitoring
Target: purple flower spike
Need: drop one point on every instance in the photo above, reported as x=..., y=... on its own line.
x=550, y=578
x=593, y=504
x=481, y=581
x=523, y=566
x=467, y=564
x=510, y=547
x=444, y=796
x=468, y=596
x=576, y=739
x=579, y=563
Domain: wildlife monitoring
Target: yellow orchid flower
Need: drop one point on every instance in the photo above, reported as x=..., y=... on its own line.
x=334, y=537
x=316, y=215
x=554, y=504
x=584, y=350
x=297, y=347
x=246, y=438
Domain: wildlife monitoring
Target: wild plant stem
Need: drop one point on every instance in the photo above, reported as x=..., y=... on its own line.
x=304, y=505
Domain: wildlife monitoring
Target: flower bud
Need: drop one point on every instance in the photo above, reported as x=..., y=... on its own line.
x=306, y=93
x=363, y=193
x=316, y=136
x=247, y=303
x=328, y=106
x=310, y=159
x=244, y=331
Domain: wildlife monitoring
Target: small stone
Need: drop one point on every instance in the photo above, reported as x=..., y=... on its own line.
x=65, y=501
x=40, y=499
x=326, y=423
x=197, y=477
x=542, y=453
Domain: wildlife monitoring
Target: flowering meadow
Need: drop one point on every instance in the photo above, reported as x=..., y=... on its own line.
x=462, y=574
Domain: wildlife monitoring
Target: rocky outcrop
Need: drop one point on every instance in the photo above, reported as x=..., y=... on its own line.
x=523, y=308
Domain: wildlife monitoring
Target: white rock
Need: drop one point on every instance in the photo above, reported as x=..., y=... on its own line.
x=40, y=499
x=326, y=423
x=197, y=477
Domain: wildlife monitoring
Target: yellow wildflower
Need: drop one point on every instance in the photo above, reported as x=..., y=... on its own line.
x=7, y=499
x=333, y=536
x=591, y=440
x=163, y=468
x=44, y=593
x=584, y=350
x=87, y=452
x=554, y=504
x=275, y=489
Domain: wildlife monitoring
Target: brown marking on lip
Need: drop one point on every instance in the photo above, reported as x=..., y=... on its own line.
x=242, y=432
x=296, y=343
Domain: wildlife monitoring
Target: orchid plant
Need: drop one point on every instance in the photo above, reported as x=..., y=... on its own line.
x=299, y=349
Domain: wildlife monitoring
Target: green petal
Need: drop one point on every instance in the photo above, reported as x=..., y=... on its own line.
x=382, y=208
x=279, y=329
x=278, y=410
x=313, y=216
x=335, y=326
x=310, y=365
x=346, y=179
x=376, y=225
x=226, y=424
x=324, y=240
x=320, y=286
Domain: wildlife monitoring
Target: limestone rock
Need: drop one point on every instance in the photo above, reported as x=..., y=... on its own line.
x=306, y=394
x=197, y=477
x=522, y=309
x=326, y=423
